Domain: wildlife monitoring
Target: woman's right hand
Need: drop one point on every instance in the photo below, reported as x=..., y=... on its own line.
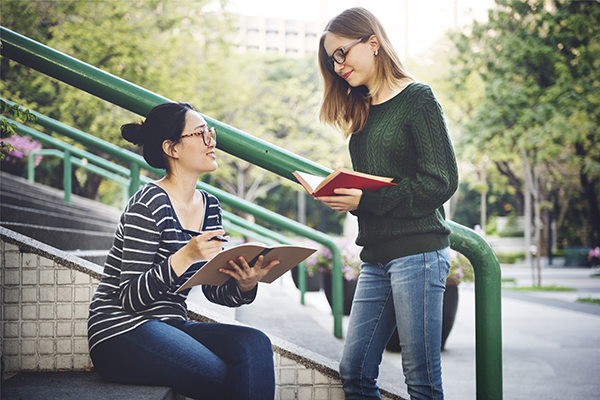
x=198, y=248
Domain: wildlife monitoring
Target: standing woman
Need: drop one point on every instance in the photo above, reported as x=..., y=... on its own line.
x=397, y=129
x=138, y=330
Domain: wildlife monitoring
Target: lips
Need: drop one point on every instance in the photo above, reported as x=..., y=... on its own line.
x=347, y=74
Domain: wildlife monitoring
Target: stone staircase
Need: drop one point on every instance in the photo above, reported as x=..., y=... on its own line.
x=84, y=227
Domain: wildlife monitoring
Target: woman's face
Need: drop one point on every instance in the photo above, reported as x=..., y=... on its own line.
x=191, y=150
x=359, y=67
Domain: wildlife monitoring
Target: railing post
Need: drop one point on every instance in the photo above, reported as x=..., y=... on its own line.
x=67, y=182
x=31, y=167
x=488, y=309
x=134, y=184
x=302, y=280
x=337, y=291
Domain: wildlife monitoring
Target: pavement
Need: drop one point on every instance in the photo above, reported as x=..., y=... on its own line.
x=551, y=342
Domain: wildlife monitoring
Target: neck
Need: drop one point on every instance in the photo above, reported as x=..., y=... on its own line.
x=180, y=187
x=387, y=92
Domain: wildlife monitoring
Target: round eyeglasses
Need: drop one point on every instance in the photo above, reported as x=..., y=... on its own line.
x=206, y=133
x=339, y=56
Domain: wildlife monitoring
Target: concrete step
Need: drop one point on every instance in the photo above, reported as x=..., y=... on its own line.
x=63, y=238
x=20, y=192
x=77, y=385
x=39, y=212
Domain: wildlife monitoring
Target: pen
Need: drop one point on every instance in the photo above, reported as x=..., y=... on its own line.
x=219, y=238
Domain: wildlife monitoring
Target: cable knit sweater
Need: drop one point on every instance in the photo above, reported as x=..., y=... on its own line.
x=405, y=138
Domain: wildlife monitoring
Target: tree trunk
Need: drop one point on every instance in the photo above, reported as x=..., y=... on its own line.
x=591, y=188
x=527, y=211
x=505, y=170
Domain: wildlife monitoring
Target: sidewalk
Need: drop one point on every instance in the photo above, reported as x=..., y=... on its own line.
x=551, y=343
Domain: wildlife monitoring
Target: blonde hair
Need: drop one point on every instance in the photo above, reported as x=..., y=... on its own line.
x=345, y=107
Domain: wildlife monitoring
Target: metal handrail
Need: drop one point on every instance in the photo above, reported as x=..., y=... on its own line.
x=139, y=100
x=464, y=240
x=82, y=163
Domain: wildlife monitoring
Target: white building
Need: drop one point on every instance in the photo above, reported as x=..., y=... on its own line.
x=294, y=28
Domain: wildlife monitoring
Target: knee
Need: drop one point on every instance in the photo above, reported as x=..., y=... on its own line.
x=258, y=339
x=347, y=369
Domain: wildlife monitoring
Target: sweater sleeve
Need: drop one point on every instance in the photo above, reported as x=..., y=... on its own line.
x=142, y=281
x=435, y=177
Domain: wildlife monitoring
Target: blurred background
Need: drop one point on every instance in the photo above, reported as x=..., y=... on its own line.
x=518, y=81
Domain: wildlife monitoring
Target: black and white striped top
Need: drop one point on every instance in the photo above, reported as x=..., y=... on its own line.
x=138, y=284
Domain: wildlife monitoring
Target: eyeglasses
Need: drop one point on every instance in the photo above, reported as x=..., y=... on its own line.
x=206, y=133
x=339, y=56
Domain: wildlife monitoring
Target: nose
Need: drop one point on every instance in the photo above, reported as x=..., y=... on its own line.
x=337, y=68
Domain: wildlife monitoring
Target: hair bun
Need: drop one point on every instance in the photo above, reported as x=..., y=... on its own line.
x=134, y=133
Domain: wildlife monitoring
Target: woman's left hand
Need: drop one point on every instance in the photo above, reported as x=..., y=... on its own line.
x=344, y=200
x=247, y=277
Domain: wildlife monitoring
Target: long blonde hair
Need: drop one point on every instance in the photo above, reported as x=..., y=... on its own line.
x=345, y=107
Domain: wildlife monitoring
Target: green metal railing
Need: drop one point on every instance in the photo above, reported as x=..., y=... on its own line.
x=82, y=163
x=488, y=330
x=68, y=152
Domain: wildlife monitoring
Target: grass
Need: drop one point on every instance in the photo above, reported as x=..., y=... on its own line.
x=551, y=288
x=589, y=300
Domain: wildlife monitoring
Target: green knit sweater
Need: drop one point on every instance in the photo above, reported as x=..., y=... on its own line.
x=405, y=138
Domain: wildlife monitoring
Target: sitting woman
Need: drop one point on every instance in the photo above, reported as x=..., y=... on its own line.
x=138, y=330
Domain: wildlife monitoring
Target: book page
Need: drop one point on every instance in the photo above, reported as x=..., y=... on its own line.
x=311, y=180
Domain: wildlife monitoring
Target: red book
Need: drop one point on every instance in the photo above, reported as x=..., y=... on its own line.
x=340, y=178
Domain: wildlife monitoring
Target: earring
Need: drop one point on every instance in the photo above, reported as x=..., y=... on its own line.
x=376, y=52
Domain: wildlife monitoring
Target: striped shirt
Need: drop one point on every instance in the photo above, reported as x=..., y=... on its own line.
x=138, y=284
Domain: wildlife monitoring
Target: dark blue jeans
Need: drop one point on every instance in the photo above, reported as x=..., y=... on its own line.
x=198, y=360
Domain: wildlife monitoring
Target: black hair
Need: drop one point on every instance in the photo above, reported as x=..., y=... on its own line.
x=164, y=122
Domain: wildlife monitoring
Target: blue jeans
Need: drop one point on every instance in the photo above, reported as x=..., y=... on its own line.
x=198, y=360
x=407, y=292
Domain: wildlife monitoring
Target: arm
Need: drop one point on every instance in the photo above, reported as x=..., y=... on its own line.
x=435, y=177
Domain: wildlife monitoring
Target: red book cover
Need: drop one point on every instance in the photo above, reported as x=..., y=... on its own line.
x=340, y=178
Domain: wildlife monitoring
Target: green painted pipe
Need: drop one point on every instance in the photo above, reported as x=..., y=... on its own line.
x=488, y=309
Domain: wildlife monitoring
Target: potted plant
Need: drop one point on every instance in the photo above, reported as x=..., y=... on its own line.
x=320, y=263
x=460, y=271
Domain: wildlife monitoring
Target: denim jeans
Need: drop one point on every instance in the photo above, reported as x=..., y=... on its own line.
x=407, y=292
x=198, y=360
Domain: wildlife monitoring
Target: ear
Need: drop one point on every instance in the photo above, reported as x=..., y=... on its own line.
x=170, y=149
x=374, y=43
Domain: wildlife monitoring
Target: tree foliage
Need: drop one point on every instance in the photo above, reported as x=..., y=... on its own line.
x=538, y=63
x=184, y=50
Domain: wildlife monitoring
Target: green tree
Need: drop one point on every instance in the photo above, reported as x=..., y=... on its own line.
x=181, y=50
x=539, y=117
x=160, y=45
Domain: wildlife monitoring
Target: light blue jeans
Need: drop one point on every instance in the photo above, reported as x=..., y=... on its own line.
x=407, y=292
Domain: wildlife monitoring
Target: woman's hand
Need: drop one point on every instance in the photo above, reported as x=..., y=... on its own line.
x=199, y=248
x=247, y=277
x=344, y=200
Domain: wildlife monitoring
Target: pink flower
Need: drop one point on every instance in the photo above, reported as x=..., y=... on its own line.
x=23, y=145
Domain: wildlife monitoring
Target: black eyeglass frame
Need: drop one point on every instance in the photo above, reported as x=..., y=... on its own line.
x=211, y=131
x=339, y=56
